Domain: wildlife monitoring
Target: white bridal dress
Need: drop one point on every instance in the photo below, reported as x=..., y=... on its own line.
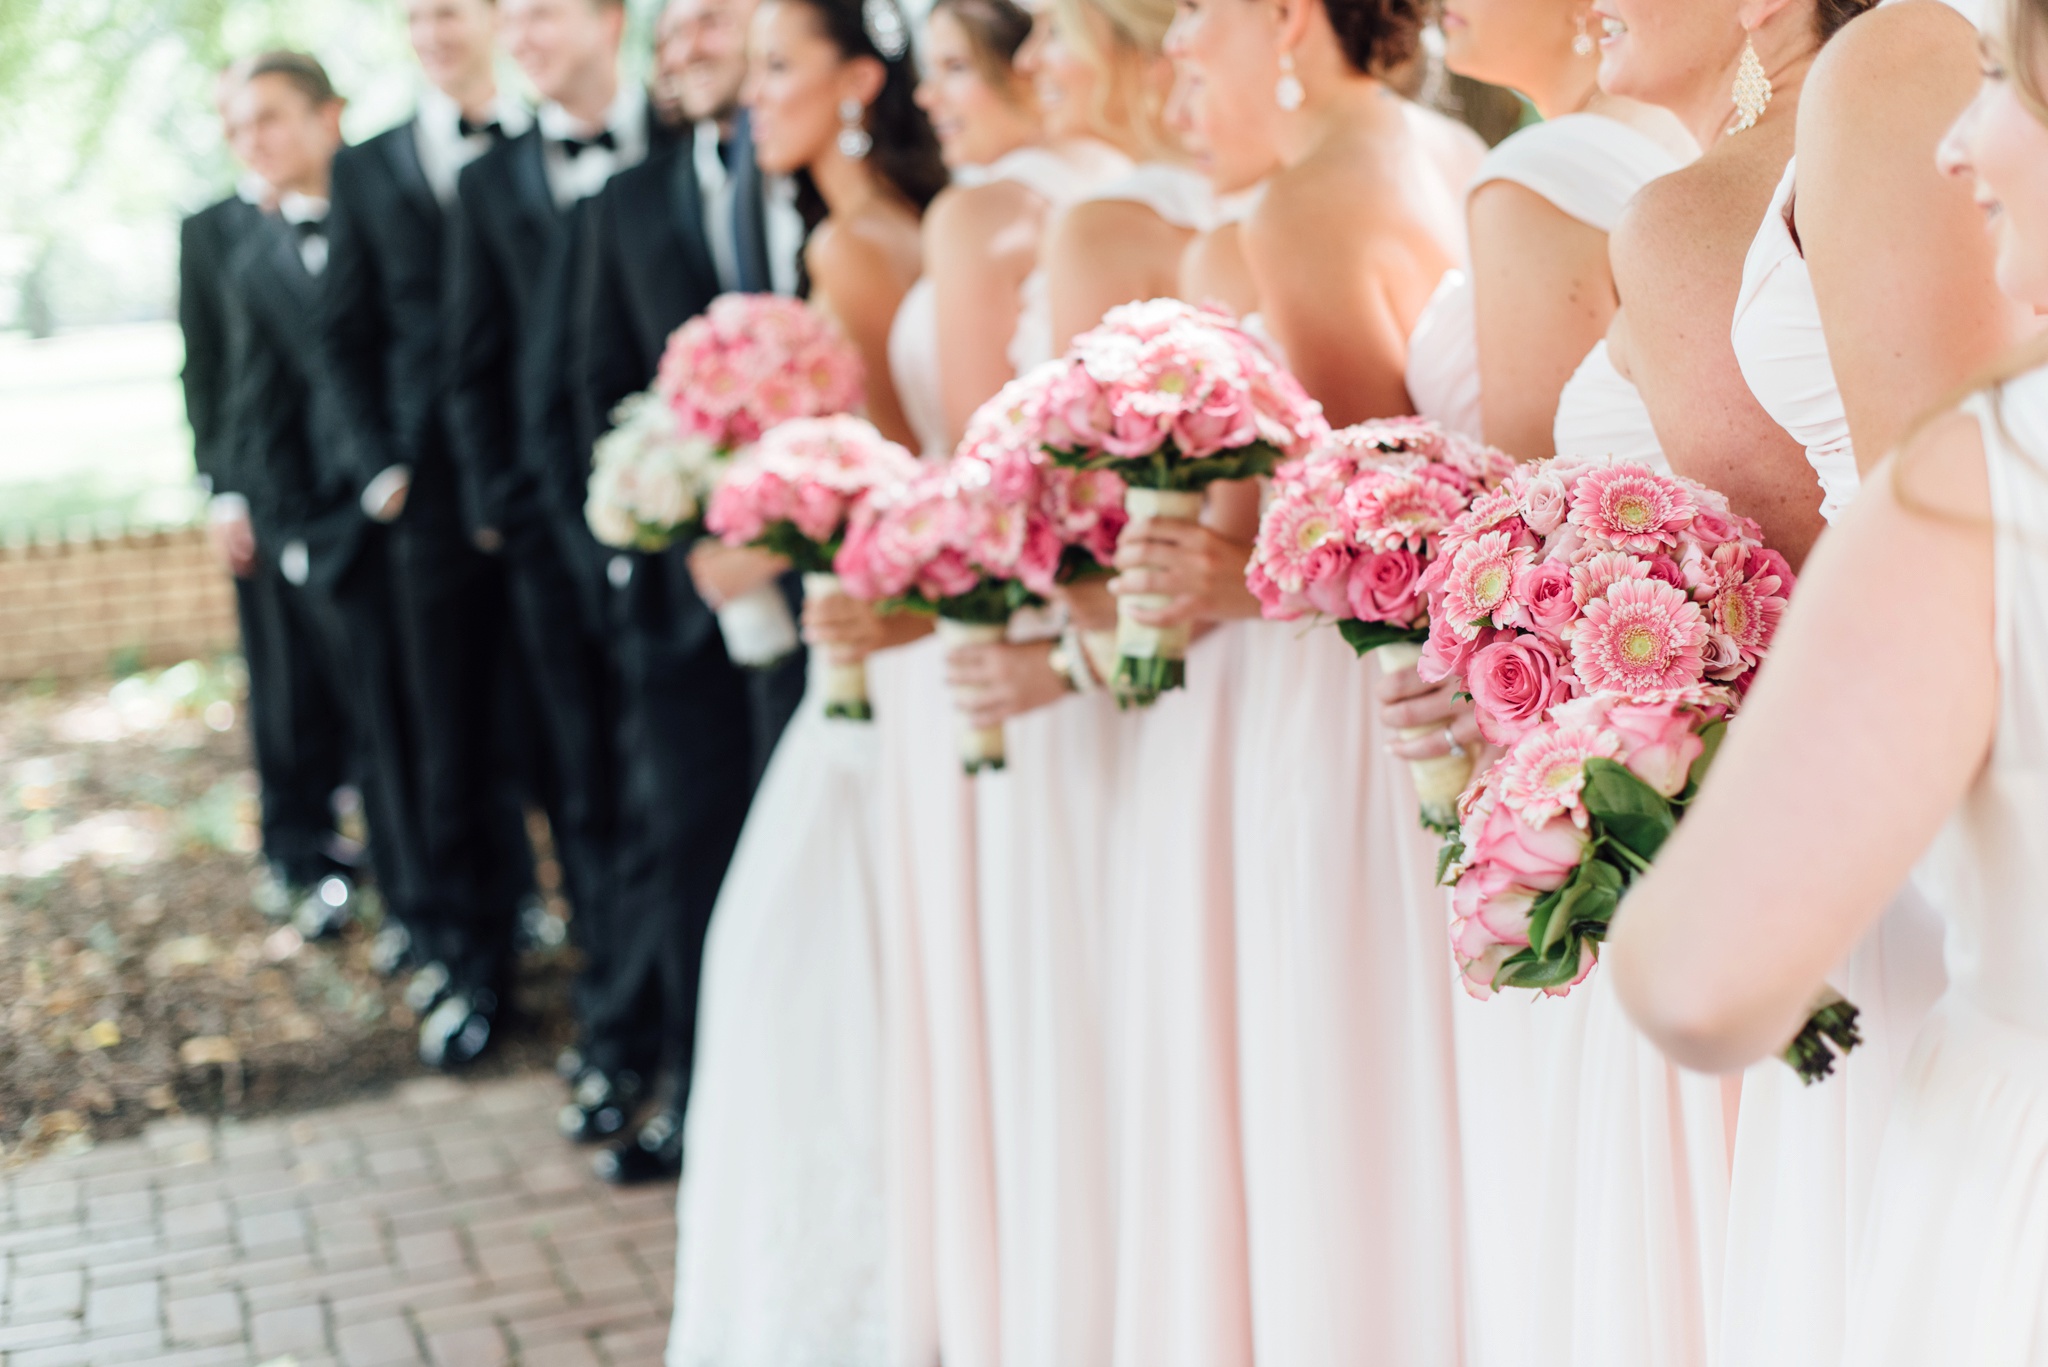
x=780, y=1250
x=1518, y=1054
x=1954, y=1262
x=1805, y=1155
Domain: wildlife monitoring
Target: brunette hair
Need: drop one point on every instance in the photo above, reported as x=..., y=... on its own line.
x=1830, y=15
x=906, y=151
x=299, y=70
x=1377, y=34
x=996, y=30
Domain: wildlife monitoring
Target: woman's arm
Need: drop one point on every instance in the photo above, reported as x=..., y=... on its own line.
x=1865, y=729
x=1544, y=297
x=1899, y=256
x=860, y=281
x=979, y=245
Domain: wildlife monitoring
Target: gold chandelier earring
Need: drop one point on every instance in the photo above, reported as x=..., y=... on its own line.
x=1752, y=90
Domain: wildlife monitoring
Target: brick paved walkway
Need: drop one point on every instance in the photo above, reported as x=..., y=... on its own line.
x=445, y=1224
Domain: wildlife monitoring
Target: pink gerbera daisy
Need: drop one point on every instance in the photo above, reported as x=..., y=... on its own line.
x=1544, y=775
x=1631, y=508
x=1401, y=510
x=1642, y=635
x=1478, y=590
x=1593, y=576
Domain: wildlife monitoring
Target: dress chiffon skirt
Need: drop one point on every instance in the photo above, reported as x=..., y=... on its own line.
x=1954, y=1267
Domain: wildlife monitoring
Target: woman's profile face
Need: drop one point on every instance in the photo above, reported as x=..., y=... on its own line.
x=1509, y=42
x=1226, y=60
x=795, y=78
x=976, y=122
x=2000, y=145
x=1671, y=53
x=1066, y=82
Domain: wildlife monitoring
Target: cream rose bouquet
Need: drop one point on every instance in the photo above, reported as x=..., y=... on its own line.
x=793, y=493
x=1170, y=398
x=1347, y=535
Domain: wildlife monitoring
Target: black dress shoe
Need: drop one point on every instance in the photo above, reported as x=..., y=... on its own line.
x=456, y=1033
x=655, y=1154
x=599, y=1105
x=327, y=908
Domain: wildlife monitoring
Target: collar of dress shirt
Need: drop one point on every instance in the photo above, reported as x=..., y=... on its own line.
x=626, y=121
x=441, y=117
x=712, y=173
x=295, y=208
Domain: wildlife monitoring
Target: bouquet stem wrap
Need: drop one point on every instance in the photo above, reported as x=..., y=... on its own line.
x=981, y=747
x=1441, y=781
x=757, y=628
x=845, y=686
x=1152, y=660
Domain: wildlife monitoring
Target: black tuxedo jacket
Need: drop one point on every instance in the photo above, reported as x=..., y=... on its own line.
x=513, y=262
x=206, y=248
x=288, y=440
x=382, y=324
x=648, y=268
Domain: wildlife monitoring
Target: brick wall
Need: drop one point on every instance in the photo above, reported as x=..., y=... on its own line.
x=70, y=608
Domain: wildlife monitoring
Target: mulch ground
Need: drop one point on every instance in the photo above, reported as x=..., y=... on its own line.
x=138, y=978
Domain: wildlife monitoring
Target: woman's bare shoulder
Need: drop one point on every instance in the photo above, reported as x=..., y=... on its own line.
x=881, y=241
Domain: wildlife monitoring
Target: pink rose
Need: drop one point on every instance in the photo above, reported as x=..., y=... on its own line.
x=1490, y=895
x=1445, y=654
x=1658, y=743
x=1513, y=682
x=1544, y=592
x=1383, y=586
x=1539, y=857
x=1478, y=971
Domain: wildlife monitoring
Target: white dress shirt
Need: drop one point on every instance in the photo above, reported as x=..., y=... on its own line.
x=444, y=149
x=782, y=224
x=583, y=175
x=298, y=210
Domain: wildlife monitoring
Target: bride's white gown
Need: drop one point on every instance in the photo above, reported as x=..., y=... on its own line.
x=1520, y=1056
x=1805, y=1155
x=1954, y=1263
x=780, y=1250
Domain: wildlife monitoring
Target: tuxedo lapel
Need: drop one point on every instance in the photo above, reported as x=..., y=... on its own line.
x=402, y=154
x=530, y=179
x=687, y=206
x=750, y=223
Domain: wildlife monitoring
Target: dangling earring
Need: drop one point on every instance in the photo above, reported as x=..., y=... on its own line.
x=1582, y=41
x=1752, y=90
x=1288, y=94
x=854, y=142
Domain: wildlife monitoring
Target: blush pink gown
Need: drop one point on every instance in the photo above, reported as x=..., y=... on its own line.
x=1518, y=1055
x=1805, y=1156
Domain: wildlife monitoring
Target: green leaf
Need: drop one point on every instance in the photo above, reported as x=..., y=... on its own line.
x=1586, y=905
x=1542, y=917
x=1369, y=636
x=1451, y=853
x=1627, y=810
x=1539, y=972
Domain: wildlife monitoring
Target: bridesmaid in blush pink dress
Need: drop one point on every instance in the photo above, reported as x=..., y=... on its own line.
x=1488, y=359
x=1346, y=1110
x=1011, y=1268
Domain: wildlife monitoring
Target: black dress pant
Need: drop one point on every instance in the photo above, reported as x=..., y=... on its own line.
x=297, y=725
x=472, y=741
x=687, y=748
x=566, y=659
x=352, y=615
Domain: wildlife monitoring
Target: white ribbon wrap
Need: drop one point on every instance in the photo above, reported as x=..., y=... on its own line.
x=1134, y=640
x=757, y=627
x=981, y=747
x=845, y=686
x=1439, y=782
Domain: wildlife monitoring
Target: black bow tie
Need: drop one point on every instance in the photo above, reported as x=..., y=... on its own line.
x=725, y=150
x=573, y=148
x=309, y=228
x=470, y=128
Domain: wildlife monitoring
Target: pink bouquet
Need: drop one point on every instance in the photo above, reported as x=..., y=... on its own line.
x=793, y=493
x=752, y=361
x=1348, y=534
x=1170, y=398
x=1579, y=577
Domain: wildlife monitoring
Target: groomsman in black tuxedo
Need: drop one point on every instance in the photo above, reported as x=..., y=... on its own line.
x=520, y=452
x=298, y=771
x=386, y=351
x=288, y=451
x=663, y=240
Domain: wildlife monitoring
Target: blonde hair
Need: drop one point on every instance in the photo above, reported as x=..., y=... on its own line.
x=1136, y=31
